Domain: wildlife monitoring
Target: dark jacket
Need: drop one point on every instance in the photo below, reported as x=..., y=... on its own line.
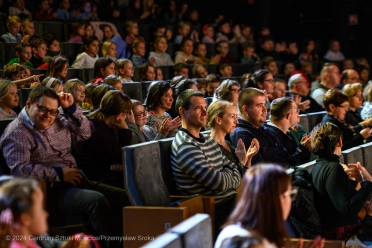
x=336, y=200
x=350, y=138
x=298, y=152
x=100, y=151
x=354, y=118
x=271, y=149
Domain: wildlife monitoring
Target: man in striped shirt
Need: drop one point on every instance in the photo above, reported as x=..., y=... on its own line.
x=198, y=165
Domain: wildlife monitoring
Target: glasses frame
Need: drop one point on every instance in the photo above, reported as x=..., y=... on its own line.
x=44, y=110
x=140, y=114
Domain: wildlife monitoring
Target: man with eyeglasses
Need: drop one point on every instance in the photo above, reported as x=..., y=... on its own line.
x=284, y=113
x=37, y=145
x=253, y=114
x=298, y=87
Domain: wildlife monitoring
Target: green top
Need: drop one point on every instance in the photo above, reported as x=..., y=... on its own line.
x=16, y=61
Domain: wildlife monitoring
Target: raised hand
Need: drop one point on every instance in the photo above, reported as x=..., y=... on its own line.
x=175, y=124
x=363, y=172
x=253, y=149
x=163, y=128
x=120, y=122
x=66, y=100
x=240, y=152
x=130, y=117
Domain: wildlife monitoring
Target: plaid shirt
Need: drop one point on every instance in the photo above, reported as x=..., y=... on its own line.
x=41, y=154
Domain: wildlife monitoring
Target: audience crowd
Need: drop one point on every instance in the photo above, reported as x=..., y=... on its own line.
x=70, y=131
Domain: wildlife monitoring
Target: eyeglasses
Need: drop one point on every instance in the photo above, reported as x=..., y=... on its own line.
x=297, y=110
x=43, y=110
x=292, y=193
x=344, y=107
x=236, y=90
x=269, y=80
x=140, y=114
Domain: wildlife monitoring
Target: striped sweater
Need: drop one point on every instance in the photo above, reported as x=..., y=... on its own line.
x=199, y=167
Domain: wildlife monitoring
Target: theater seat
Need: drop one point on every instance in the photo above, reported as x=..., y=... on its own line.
x=153, y=210
x=133, y=90
x=70, y=50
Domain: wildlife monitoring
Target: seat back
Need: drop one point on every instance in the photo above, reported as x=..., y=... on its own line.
x=4, y=169
x=308, y=166
x=70, y=50
x=54, y=27
x=88, y=74
x=195, y=232
x=166, y=240
x=304, y=122
x=315, y=118
x=74, y=73
x=142, y=178
x=353, y=155
x=165, y=146
x=133, y=90
x=25, y=93
x=367, y=156
x=8, y=51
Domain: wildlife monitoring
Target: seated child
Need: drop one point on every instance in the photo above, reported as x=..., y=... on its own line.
x=109, y=50
x=87, y=104
x=87, y=58
x=114, y=81
x=58, y=68
x=159, y=74
x=200, y=53
x=138, y=54
x=185, y=54
x=208, y=34
x=15, y=73
x=45, y=12
x=225, y=70
x=147, y=73
x=131, y=28
x=13, y=23
x=180, y=69
x=103, y=67
x=77, y=90
x=28, y=30
x=39, y=50
x=53, y=42
x=8, y=99
x=78, y=32
x=159, y=54
x=213, y=81
x=23, y=54
x=147, y=133
x=63, y=10
x=249, y=56
x=125, y=70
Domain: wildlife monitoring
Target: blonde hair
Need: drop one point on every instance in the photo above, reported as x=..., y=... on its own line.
x=120, y=64
x=5, y=86
x=73, y=85
x=351, y=90
x=105, y=47
x=135, y=103
x=215, y=109
x=13, y=19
